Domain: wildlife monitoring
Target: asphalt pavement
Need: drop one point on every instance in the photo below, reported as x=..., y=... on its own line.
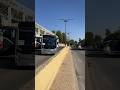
x=79, y=63
x=41, y=59
x=16, y=78
x=102, y=71
x=66, y=76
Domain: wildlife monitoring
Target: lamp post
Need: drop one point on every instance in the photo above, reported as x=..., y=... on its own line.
x=65, y=21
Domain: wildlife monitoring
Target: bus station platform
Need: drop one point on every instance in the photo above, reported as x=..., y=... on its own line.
x=66, y=77
x=59, y=74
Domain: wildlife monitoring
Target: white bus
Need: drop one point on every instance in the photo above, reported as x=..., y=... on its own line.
x=38, y=44
x=49, y=44
x=17, y=44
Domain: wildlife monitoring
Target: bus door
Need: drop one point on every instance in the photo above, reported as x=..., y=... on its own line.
x=26, y=37
x=26, y=44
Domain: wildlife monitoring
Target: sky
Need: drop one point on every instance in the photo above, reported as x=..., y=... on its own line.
x=47, y=13
x=102, y=14
x=30, y=5
x=87, y=15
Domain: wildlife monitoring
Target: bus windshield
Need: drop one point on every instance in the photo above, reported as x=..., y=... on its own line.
x=50, y=41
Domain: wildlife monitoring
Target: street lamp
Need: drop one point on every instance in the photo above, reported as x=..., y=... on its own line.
x=65, y=21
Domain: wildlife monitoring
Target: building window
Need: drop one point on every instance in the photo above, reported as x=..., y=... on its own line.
x=17, y=15
x=4, y=10
x=29, y=18
x=36, y=30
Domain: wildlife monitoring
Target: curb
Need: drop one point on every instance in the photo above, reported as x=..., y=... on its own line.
x=66, y=77
x=45, y=78
x=39, y=68
x=75, y=76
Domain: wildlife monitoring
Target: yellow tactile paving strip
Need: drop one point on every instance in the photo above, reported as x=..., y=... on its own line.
x=66, y=78
x=45, y=78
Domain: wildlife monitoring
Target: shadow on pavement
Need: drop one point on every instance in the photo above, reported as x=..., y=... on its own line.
x=102, y=55
x=38, y=52
x=77, y=49
x=9, y=64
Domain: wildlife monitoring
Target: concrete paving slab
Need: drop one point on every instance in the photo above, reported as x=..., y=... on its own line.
x=66, y=77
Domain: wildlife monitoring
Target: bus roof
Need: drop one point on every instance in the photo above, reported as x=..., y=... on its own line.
x=50, y=35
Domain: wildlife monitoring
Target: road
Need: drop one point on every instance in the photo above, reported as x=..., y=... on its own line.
x=18, y=78
x=79, y=63
x=40, y=59
x=102, y=72
x=14, y=78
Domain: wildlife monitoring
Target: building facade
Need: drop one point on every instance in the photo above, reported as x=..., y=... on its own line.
x=40, y=30
x=12, y=12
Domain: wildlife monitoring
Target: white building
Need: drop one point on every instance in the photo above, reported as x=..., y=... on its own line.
x=11, y=12
x=40, y=30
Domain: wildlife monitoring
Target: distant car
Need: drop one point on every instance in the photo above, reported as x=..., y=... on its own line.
x=79, y=47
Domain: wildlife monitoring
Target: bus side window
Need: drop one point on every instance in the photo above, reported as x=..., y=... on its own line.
x=7, y=43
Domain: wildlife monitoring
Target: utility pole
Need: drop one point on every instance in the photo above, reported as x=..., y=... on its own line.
x=65, y=21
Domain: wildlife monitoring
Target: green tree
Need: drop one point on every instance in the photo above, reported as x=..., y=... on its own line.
x=71, y=42
x=63, y=38
x=82, y=42
x=59, y=34
x=79, y=40
x=107, y=32
x=97, y=41
x=89, y=39
x=54, y=32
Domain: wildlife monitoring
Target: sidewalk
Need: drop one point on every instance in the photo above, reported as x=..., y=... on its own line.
x=66, y=77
